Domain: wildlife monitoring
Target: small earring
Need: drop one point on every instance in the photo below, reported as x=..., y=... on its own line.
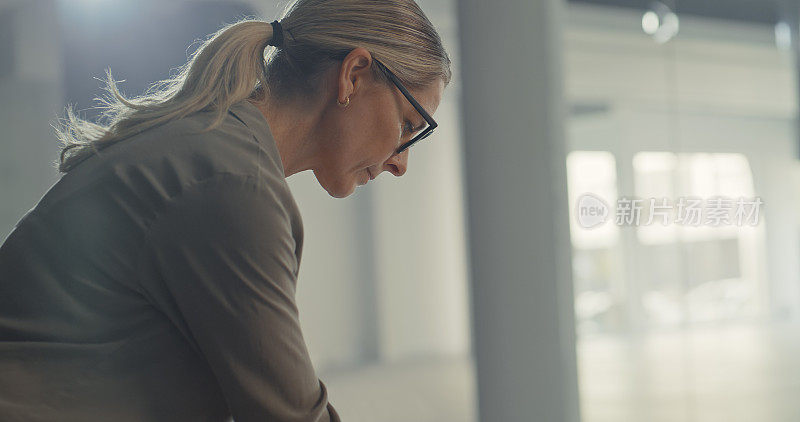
x=345, y=103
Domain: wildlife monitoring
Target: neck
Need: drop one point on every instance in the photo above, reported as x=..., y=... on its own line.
x=292, y=130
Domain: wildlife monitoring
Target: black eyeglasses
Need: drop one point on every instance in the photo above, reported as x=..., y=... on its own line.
x=428, y=119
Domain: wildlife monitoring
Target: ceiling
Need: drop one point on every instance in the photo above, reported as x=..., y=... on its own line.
x=753, y=11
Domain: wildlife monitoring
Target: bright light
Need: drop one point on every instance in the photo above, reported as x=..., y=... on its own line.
x=783, y=36
x=650, y=22
x=660, y=22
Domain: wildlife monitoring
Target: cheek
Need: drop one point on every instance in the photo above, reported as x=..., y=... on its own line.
x=387, y=132
x=366, y=135
x=376, y=135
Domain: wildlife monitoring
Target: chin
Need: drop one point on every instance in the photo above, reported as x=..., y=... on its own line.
x=338, y=189
x=341, y=194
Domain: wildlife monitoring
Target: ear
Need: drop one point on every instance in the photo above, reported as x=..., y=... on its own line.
x=354, y=73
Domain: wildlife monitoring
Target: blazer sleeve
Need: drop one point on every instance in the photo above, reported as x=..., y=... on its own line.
x=225, y=255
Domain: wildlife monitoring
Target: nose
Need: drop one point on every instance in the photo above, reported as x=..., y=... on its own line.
x=397, y=164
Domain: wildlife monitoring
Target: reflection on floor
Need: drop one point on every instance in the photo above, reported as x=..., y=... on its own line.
x=436, y=390
x=729, y=373
x=743, y=373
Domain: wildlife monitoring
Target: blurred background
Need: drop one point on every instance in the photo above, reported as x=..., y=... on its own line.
x=427, y=297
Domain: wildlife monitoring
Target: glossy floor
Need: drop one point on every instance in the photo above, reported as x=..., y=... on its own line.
x=717, y=373
x=732, y=373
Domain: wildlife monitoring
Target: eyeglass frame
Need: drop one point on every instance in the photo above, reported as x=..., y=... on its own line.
x=428, y=119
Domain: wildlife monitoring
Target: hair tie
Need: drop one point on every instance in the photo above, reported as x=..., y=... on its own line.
x=277, y=35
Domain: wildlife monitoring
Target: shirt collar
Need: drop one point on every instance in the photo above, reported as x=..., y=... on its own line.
x=252, y=117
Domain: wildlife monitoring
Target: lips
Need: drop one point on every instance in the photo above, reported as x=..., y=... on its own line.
x=371, y=177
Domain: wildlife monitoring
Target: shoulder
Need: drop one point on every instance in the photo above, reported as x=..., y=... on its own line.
x=161, y=162
x=240, y=144
x=183, y=152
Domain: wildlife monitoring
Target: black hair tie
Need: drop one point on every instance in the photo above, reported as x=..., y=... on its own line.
x=277, y=35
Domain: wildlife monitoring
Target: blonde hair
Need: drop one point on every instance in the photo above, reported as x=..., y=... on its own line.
x=230, y=66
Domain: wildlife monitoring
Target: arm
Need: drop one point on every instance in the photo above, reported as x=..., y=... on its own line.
x=226, y=256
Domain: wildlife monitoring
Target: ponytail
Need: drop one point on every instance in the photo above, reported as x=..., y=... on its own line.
x=226, y=69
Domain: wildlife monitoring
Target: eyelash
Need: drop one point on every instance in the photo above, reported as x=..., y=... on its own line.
x=408, y=127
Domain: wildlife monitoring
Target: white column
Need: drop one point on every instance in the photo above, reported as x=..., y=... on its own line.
x=522, y=303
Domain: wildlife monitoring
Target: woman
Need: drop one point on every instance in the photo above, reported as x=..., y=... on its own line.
x=155, y=281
